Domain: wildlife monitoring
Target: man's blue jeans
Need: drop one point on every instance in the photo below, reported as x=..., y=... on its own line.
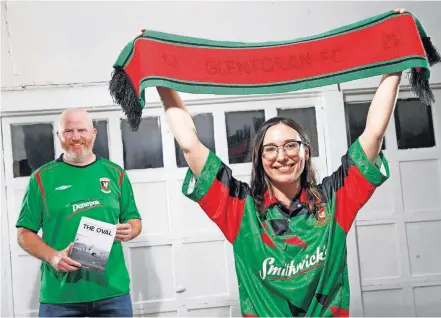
x=120, y=306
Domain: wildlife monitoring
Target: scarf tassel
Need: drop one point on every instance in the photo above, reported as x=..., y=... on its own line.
x=420, y=85
x=124, y=94
x=432, y=53
x=418, y=78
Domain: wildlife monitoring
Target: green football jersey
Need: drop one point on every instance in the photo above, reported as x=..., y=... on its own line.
x=57, y=196
x=289, y=261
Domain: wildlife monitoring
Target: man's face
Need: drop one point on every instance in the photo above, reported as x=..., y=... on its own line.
x=76, y=135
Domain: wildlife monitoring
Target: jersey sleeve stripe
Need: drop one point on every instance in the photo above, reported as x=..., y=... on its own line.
x=40, y=185
x=121, y=173
x=121, y=178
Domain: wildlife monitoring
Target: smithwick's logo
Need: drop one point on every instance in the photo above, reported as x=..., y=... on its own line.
x=85, y=205
x=290, y=270
x=105, y=185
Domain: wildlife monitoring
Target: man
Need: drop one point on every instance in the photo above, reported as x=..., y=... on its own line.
x=59, y=194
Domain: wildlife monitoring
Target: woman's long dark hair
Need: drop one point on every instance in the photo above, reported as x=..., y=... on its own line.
x=260, y=181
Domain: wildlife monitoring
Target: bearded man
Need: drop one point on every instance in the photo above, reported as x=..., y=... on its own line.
x=79, y=183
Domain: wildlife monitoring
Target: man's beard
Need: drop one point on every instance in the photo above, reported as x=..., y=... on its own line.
x=78, y=157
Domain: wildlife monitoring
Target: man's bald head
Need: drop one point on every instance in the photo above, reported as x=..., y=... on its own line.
x=75, y=115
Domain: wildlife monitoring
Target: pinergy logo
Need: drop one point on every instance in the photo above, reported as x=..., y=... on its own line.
x=85, y=205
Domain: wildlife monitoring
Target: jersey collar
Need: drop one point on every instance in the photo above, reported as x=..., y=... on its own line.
x=271, y=199
x=60, y=159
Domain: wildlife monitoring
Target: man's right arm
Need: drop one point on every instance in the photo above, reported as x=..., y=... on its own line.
x=34, y=245
x=29, y=223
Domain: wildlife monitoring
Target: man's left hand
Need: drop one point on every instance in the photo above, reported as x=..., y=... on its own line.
x=123, y=232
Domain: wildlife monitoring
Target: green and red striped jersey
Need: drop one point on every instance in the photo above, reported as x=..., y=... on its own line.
x=289, y=262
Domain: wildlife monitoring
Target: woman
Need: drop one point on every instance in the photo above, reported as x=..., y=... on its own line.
x=288, y=233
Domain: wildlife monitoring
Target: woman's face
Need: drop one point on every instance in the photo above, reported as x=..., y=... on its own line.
x=283, y=164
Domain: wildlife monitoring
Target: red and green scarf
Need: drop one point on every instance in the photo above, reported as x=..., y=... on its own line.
x=383, y=44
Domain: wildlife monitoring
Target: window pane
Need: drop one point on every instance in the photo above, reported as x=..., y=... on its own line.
x=305, y=117
x=143, y=148
x=241, y=129
x=356, y=115
x=413, y=124
x=32, y=147
x=205, y=128
x=101, y=146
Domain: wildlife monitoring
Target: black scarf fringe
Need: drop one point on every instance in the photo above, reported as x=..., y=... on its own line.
x=432, y=53
x=420, y=86
x=124, y=94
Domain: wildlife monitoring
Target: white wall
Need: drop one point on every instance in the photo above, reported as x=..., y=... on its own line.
x=75, y=43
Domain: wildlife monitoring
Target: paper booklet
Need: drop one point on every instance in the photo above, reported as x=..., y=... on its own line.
x=93, y=243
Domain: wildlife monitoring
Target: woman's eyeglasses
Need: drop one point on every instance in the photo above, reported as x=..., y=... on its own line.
x=291, y=148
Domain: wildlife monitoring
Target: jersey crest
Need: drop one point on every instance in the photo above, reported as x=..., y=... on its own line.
x=105, y=185
x=323, y=217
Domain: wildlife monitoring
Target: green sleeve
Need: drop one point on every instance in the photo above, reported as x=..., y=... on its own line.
x=32, y=207
x=376, y=173
x=128, y=206
x=196, y=188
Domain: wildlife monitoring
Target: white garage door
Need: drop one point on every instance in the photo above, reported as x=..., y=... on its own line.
x=398, y=232
x=180, y=264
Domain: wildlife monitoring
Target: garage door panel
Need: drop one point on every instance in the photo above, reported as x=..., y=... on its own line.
x=427, y=301
x=210, y=312
x=384, y=303
x=205, y=269
x=151, y=200
x=157, y=281
x=421, y=185
x=424, y=252
x=381, y=241
x=156, y=309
